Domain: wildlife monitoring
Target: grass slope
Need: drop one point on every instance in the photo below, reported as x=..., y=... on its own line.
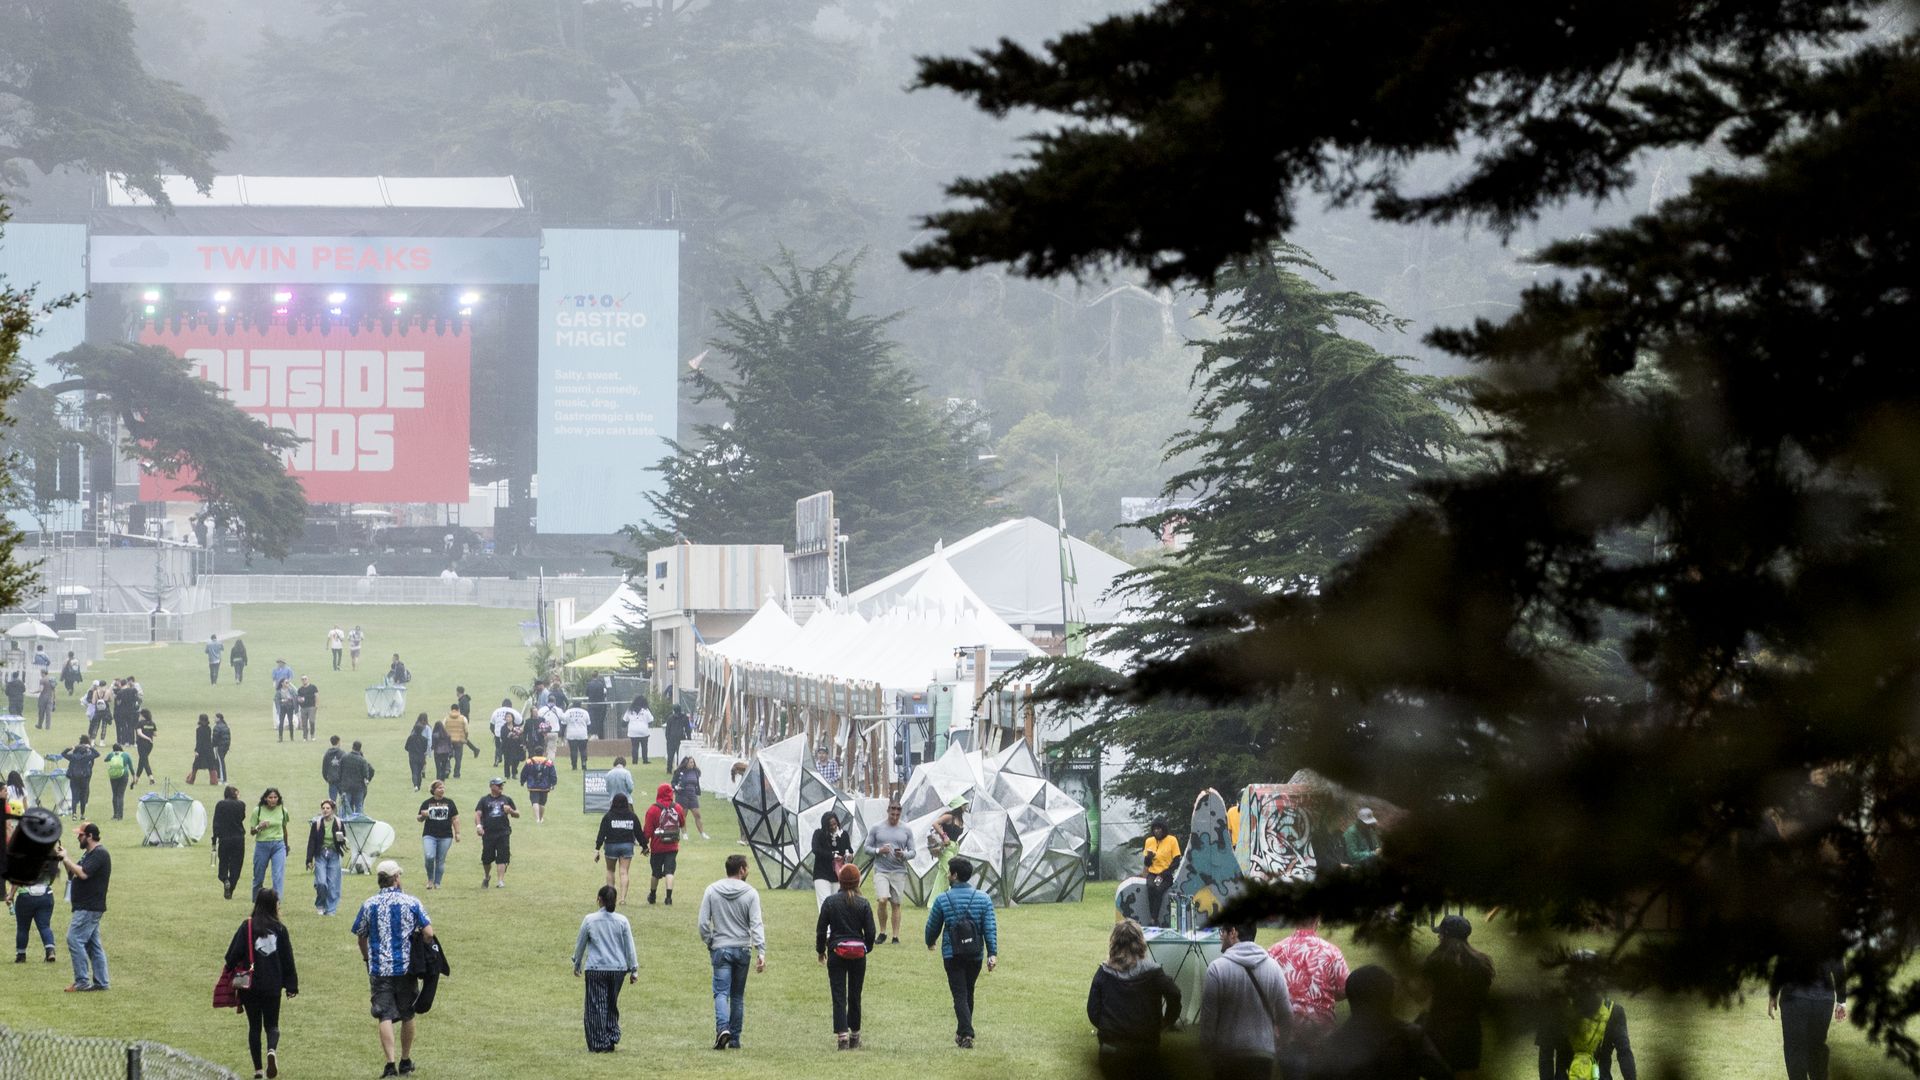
x=513, y=1007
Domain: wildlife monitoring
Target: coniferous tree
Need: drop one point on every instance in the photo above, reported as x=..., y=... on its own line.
x=1305, y=442
x=816, y=400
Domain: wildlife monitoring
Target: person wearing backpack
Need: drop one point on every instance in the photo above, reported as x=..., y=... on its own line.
x=971, y=937
x=330, y=767
x=119, y=770
x=1244, y=1009
x=539, y=776
x=665, y=819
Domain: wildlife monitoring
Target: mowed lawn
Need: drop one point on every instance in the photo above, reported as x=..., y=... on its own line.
x=512, y=1007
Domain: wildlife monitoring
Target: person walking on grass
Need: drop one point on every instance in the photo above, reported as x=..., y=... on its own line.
x=419, y=744
x=222, y=742
x=87, y=882
x=70, y=672
x=686, y=788
x=326, y=848
x=119, y=766
x=497, y=723
x=237, y=659
x=32, y=904
x=330, y=767
x=576, y=724
x=843, y=934
x=336, y=642
x=618, y=780
x=513, y=744
x=1374, y=1044
x=602, y=954
x=1245, y=1013
x=493, y=823
x=619, y=835
x=639, y=720
x=1584, y=1032
x=442, y=744
x=214, y=649
x=79, y=759
x=961, y=921
x=286, y=707
x=269, y=825
x=309, y=698
x=261, y=945
x=439, y=830
x=1459, y=979
x=229, y=838
x=665, y=821
x=385, y=927
x=1809, y=992
x=1316, y=974
x=356, y=772
x=734, y=932
x=203, y=755
x=1132, y=1000
x=143, y=737
x=831, y=851
x=539, y=776
x=355, y=638
x=458, y=732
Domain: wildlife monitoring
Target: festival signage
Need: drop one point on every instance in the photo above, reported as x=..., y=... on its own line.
x=331, y=260
x=609, y=366
x=384, y=413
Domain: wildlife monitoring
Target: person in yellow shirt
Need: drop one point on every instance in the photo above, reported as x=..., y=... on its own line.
x=456, y=722
x=1160, y=851
x=1233, y=824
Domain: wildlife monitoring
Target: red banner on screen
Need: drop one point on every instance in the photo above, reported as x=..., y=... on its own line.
x=384, y=413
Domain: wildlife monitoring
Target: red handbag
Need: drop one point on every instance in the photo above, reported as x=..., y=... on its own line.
x=225, y=994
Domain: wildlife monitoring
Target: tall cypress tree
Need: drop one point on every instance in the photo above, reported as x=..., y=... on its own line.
x=1304, y=442
x=816, y=400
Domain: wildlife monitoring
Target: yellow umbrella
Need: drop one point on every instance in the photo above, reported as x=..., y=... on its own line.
x=614, y=659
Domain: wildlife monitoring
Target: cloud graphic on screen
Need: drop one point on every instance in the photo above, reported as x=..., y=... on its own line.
x=147, y=256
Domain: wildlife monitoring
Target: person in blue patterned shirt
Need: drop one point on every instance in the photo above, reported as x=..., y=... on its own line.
x=386, y=926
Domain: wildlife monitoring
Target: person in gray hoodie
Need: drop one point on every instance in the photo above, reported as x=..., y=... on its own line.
x=1131, y=1001
x=730, y=924
x=1244, y=1010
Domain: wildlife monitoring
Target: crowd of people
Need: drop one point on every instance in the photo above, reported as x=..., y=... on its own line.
x=1263, y=1011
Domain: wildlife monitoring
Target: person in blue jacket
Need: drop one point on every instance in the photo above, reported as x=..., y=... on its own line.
x=961, y=920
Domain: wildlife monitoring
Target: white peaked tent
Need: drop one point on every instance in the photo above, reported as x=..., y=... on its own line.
x=769, y=631
x=626, y=605
x=1014, y=568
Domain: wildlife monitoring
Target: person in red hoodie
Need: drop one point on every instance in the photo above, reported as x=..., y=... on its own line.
x=665, y=819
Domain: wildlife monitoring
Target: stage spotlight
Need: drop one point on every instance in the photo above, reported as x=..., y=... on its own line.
x=151, y=296
x=468, y=299
x=333, y=311
x=150, y=309
x=221, y=296
x=336, y=298
x=396, y=298
x=283, y=296
x=279, y=311
x=222, y=309
x=466, y=311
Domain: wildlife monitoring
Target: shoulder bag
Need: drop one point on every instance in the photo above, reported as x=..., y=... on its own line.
x=232, y=980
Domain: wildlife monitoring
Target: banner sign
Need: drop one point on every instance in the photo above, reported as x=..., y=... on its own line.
x=609, y=374
x=330, y=260
x=385, y=413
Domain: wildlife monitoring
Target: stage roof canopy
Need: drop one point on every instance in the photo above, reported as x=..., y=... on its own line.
x=365, y=192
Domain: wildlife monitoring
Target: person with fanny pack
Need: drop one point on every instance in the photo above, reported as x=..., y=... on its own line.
x=1244, y=1008
x=842, y=937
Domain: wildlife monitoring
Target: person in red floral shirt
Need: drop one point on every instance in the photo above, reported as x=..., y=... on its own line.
x=1316, y=975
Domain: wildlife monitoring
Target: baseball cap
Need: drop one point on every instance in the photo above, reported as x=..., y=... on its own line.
x=496, y=781
x=1366, y=815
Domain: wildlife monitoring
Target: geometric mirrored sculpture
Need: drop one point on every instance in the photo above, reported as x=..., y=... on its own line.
x=780, y=802
x=1026, y=837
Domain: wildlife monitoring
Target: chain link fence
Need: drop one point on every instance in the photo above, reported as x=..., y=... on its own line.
x=49, y=1055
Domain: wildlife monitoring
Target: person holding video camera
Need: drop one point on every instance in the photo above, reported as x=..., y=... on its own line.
x=88, y=882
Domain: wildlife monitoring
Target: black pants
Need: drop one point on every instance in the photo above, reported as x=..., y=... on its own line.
x=961, y=975
x=1804, y=1020
x=119, y=795
x=639, y=751
x=577, y=752
x=418, y=763
x=846, y=978
x=1157, y=885
x=263, y=1012
x=232, y=851
x=239, y=673
x=1131, y=1061
x=82, y=788
x=459, y=752
x=213, y=673
x=289, y=725
x=603, y=1009
x=442, y=766
x=143, y=765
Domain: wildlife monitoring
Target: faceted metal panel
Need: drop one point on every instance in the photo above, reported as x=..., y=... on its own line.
x=780, y=801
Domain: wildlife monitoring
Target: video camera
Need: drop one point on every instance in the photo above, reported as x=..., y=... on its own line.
x=27, y=851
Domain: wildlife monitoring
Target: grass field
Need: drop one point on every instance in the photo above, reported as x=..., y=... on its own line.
x=512, y=1007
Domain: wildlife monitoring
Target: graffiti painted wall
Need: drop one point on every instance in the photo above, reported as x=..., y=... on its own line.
x=1276, y=832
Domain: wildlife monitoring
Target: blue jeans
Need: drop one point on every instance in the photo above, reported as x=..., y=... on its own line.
x=86, y=950
x=326, y=881
x=333, y=795
x=730, y=967
x=35, y=911
x=436, y=849
x=351, y=801
x=275, y=852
